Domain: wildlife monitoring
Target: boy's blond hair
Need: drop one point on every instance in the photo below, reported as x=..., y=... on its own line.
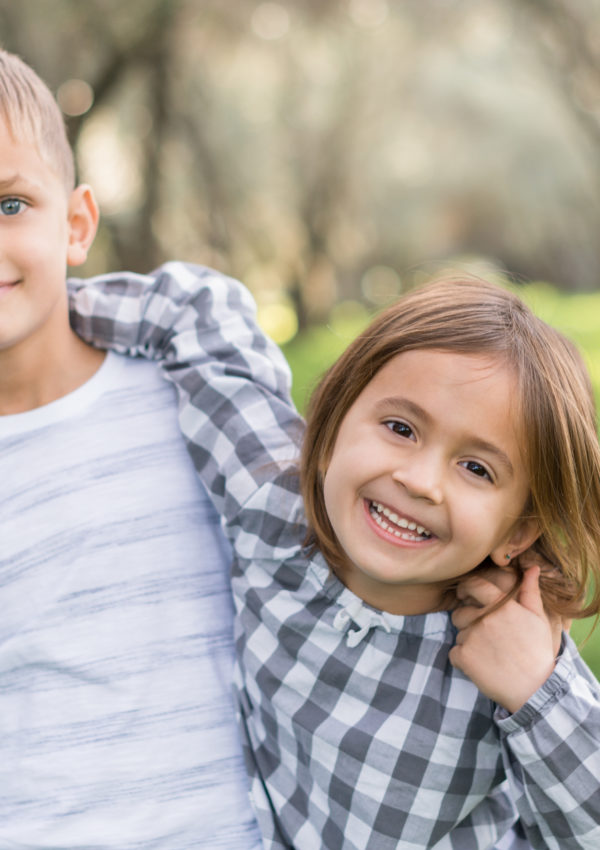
x=32, y=115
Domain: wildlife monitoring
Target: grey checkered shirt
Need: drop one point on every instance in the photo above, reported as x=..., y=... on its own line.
x=359, y=733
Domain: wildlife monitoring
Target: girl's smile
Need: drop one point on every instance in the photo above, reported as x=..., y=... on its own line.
x=426, y=479
x=400, y=529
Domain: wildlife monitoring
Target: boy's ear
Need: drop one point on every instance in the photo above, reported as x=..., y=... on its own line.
x=524, y=533
x=82, y=218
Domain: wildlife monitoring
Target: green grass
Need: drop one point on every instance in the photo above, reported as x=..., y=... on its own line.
x=578, y=316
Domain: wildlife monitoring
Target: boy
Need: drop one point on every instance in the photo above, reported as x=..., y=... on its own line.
x=117, y=728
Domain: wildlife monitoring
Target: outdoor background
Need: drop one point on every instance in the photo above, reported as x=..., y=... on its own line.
x=334, y=153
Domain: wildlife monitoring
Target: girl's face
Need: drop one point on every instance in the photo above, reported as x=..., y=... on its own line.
x=426, y=478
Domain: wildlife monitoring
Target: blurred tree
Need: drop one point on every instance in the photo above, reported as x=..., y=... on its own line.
x=315, y=148
x=568, y=46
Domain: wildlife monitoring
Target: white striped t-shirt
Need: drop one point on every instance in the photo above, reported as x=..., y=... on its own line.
x=117, y=725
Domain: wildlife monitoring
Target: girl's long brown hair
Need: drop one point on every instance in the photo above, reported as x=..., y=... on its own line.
x=555, y=405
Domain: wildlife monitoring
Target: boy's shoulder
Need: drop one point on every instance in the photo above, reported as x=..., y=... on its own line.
x=121, y=387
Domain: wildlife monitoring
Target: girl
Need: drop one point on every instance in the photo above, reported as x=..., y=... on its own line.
x=454, y=433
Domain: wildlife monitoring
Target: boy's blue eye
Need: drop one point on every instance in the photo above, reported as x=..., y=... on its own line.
x=11, y=206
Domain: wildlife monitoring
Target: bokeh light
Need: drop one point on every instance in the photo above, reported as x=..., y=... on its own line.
x=278, y=320
x=270, y=21
x=75, y=97
x=111, y=163
x=380, y=285
x=368, y=13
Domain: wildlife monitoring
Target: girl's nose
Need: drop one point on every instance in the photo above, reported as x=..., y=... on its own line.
x=422, y=478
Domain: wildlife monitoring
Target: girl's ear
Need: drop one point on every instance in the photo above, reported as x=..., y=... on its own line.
x=524, y=533
x=82, y=220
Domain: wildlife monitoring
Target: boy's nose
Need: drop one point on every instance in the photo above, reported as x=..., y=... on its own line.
x=422, y=478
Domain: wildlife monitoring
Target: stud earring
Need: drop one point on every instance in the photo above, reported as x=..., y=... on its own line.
x=508, y=557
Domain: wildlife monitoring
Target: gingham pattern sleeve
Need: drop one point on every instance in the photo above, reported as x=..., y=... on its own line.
x=202, y=326
x=551, y=750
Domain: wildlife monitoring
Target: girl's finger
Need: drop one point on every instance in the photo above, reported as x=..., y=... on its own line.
x=482, y=592
x=529, y=593
x=502, y=577
x=460, y=637
x=465, y=615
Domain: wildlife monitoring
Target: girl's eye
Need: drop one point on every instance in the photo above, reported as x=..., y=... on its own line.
x=400, y=428
x=476, y=469
x=11, y=206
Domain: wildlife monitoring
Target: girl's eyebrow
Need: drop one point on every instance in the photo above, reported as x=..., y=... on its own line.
x=385, y=405
x=490, y=448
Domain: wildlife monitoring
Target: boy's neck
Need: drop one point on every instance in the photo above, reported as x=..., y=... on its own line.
x=33, y=375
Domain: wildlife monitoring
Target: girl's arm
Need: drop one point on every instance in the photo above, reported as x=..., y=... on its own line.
x=232, y=382
x=551, y=752
x=551, y=741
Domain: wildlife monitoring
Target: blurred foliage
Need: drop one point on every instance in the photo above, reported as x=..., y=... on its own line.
x=576, y=315
x=324, y=150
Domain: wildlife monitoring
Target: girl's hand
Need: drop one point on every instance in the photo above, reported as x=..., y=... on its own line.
x=510, y=652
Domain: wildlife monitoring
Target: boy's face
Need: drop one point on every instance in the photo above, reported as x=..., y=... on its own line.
x=426, y=478
x=36, y=242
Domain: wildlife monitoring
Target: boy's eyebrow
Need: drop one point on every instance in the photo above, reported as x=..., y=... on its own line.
x=385, y=405
x=9, y=181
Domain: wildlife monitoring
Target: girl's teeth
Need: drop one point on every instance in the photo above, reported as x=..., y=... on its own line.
x=377, y=510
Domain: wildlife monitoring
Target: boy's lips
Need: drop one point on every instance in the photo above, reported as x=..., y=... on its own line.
x=400, y=525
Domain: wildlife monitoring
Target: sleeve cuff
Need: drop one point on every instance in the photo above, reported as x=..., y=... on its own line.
x=541, y=702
